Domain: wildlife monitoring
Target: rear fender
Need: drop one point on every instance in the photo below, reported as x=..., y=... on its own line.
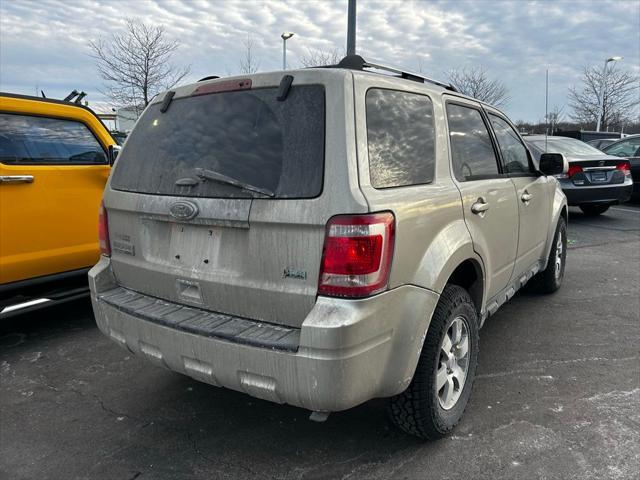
x=450, y=248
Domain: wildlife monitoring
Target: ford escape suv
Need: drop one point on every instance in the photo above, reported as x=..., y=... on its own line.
x=324, y=236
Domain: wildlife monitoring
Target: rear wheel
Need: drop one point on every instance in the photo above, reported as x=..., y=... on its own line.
x=435, y=400
x=594, y=209
x=550, y=279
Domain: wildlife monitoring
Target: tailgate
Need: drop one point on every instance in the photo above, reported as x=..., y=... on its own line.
x=262, y=265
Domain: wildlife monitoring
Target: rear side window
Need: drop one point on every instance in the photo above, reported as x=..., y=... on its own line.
x=472, y=153
x=401, y=138
x=247, y=137
x=514, y=153
x=26, y=140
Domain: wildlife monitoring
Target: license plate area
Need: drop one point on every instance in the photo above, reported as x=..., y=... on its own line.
x=598, y=177
x=195, y=246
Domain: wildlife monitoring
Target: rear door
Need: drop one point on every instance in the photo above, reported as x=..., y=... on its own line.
x=488, y=195
x=53, y=172
x=532, y=193
x=221, y=200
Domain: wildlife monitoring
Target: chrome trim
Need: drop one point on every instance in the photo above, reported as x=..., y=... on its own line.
x=609, y=167
x=16, y=178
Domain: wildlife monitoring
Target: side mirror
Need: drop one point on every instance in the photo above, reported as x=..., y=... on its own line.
x=553, y=164
x=114, y=150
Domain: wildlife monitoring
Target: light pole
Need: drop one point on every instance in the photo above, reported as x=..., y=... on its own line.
x=351, y=28
x=285, y=36
x=603, y=82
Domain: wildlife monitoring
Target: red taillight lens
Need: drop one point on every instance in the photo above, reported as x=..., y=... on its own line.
x=357, y=255
x=103, y=231
x=573, y=169
x=625, y=167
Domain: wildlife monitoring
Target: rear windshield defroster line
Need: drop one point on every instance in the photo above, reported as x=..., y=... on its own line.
x=247, y=135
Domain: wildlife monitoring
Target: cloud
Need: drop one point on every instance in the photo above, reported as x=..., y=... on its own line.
x=44, y=42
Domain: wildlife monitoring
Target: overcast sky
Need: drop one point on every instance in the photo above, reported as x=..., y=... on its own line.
x=43, y=43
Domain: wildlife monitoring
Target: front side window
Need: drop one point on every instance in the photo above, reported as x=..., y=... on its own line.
x=401, y=138
x=514, y=153
x=26, y=140
x=628, y=148
x=472, y=153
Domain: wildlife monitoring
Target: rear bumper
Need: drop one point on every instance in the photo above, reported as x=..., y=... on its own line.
x=348, y=351
x=610, y=194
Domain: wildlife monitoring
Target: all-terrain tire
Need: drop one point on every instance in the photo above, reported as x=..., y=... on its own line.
x=550, y=279
x=418, y=411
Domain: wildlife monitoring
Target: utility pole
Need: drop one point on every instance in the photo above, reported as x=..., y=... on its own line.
x=351, y=28
x=546, y=111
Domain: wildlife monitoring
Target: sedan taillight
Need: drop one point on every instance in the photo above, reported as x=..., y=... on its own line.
x=573, y=169
x=356, y=258
x=103, y=231
x=624, y=167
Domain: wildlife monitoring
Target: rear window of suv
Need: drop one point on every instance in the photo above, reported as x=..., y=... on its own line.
x=401, y=138
x=247, y=137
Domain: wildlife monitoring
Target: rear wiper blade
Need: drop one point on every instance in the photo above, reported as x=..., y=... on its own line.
x=219, y=177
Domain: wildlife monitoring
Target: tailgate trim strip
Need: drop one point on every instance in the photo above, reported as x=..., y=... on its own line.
x=203, y=322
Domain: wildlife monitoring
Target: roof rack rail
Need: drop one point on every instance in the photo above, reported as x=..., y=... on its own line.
x=356, y=62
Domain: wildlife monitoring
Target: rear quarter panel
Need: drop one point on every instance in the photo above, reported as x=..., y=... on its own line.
x=432, y=238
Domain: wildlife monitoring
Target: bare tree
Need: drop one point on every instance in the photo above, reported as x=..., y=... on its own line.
x=475, y=83
x=554, y=117
x=621, y=95
x=315, y=57
x=248, y=62
x=136, y=64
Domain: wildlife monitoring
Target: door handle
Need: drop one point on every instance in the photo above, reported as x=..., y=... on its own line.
x=526, y=197
x=16, y=178
x=480, y=207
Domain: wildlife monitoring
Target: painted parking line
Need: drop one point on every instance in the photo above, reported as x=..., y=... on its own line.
x=632, y=210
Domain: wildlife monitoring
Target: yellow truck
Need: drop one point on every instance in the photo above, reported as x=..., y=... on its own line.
x=54, y=162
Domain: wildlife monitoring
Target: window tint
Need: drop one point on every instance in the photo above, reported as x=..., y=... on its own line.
x=626, y=148
x=401, y=138
x=472, y=152
x=39, y=140
x=514, y=153
x=247, y=136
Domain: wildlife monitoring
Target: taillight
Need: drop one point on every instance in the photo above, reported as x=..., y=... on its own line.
x=625, y=167
x=573, y=169
x=103, y=231
x=357, y=255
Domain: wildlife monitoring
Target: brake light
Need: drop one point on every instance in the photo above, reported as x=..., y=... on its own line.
x=573, y=169
x=103, y=231
x=625, y=167
x=356, y=258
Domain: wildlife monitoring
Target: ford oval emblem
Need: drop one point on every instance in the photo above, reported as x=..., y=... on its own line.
x=183, y=210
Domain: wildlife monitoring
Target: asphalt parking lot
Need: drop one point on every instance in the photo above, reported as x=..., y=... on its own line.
x=557, y=396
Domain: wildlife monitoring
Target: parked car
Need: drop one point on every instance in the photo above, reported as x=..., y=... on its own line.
x=595, y=180
x=304, y=237
x=628, y=148
x=600, y=143
x=53, y=168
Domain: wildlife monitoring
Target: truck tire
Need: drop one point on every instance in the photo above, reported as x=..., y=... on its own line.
x=433, y=403
x=550, y=279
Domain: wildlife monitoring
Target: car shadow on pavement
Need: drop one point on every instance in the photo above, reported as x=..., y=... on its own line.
x=137, y=415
